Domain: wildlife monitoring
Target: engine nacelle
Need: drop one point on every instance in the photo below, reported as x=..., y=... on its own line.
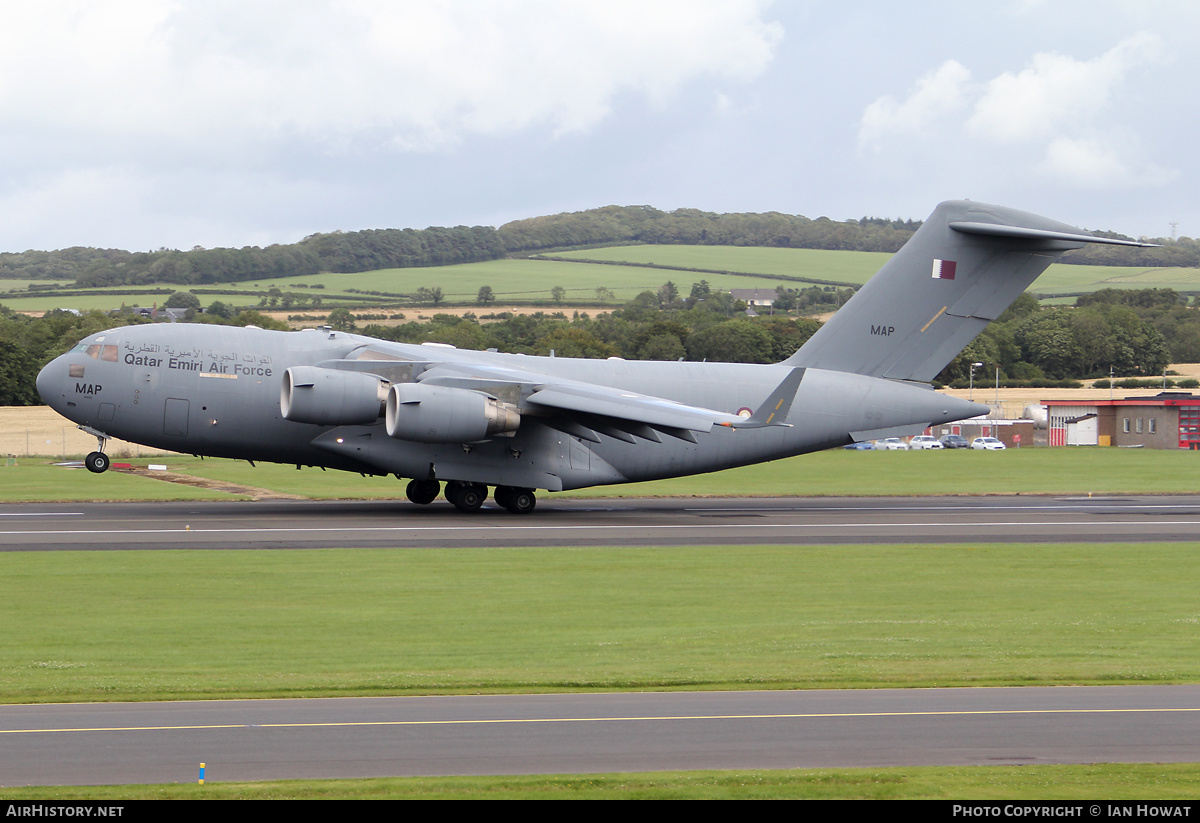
x=331, y=397
x=437, y=414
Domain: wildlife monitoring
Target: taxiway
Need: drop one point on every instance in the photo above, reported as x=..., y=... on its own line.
x=580, y=733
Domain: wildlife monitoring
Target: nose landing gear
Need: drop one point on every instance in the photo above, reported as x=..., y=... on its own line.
x=96, y=461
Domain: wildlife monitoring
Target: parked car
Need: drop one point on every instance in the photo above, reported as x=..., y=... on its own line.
x=989, y=443
x=861, y=446
x=891, y=444
x=954, y=441
x=924, y=441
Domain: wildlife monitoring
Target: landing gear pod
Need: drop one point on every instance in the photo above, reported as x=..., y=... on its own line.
x=330, y=397
x=435, y=414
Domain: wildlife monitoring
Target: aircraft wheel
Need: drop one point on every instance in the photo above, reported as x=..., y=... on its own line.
x=466, y=497
x=96, y=462
x=503, y=495
x=423, y=492
x=521, y=501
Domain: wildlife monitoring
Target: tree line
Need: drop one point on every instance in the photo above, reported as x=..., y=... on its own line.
x=1132, y=332
x=369, y=250
x=1135, y=333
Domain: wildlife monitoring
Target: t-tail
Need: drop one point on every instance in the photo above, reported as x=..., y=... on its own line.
x=962, y=268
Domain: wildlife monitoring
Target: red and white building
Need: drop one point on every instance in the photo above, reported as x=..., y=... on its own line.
x=1170, y=420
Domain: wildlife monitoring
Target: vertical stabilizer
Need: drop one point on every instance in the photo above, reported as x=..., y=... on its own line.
x=955, y=275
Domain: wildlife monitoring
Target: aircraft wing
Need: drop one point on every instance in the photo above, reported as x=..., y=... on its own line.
x=588, y=409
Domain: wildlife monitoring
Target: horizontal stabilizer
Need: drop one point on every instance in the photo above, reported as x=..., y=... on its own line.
x=775, y=408
x=997, y=230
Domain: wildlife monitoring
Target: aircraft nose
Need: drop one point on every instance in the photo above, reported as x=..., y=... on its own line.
x=48, y=382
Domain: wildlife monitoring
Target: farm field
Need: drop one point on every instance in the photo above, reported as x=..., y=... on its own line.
x=857, y=267
x=517, y=281
x=530, y=281
x=849, y=267
x=28, y=430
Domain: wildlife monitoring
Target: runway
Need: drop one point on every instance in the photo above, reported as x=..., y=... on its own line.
x=510, y=734
x=581, y=733
x=588, y=522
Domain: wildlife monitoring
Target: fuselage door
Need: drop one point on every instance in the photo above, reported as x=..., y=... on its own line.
x=175, y=417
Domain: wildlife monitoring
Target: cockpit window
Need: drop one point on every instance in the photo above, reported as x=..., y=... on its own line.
x=95, y=351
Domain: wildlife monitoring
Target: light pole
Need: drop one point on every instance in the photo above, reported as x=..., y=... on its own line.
x=974, y=366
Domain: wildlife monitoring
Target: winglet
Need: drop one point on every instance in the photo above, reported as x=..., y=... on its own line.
x=774, y=410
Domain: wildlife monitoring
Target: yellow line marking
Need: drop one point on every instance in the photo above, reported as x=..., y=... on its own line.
x=935, y=317
x=647, y=718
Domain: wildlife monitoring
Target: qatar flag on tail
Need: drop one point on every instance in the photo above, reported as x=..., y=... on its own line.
x=943, y=269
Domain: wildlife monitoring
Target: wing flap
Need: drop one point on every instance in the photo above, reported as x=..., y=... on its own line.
x=624, y=405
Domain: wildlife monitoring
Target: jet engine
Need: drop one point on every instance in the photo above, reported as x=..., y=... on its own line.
x=331, y=397
x=437, y=414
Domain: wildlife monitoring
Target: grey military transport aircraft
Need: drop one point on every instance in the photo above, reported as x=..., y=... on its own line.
x=472, y=420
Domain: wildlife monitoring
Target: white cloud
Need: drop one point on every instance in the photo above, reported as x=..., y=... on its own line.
x=1057, y=92
x=223, y=78
x=1093, y=163
x=1057, y=117
x=114, y=109
x=937, y=95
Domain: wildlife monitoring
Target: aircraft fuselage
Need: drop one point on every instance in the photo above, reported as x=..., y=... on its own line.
x=215, y=391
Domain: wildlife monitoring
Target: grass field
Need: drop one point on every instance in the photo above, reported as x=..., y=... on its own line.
x=981, y=783
x=175, y=624
x=836, y=473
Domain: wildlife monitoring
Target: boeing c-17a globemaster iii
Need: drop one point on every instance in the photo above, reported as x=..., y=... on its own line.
x=513, y=423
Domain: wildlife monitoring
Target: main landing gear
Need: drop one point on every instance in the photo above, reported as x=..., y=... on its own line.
x=423, y=492
x=466, y=497
x=517, y=501
x=469, y=497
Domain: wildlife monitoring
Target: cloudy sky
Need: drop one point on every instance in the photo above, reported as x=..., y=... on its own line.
x=140, y=124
